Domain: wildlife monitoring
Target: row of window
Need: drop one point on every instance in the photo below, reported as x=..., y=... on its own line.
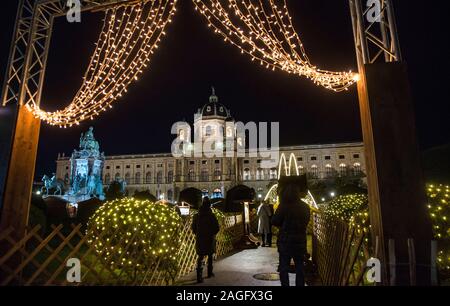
x=314, y=171
x=129, y=166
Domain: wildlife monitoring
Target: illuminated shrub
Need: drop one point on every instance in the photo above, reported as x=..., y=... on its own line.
x=347, y=207
x=132, y=235
x=439, y=208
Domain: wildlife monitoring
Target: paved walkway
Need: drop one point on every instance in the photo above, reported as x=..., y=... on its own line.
x=239, y=269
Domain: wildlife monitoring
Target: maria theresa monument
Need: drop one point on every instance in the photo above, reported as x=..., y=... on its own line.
x=84, y=179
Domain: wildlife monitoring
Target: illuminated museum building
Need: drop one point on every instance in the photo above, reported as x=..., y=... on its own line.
x=165, y=176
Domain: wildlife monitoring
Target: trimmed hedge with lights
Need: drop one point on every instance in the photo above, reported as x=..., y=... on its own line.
x=345, y=207
x=439, y=208
x=133, y=235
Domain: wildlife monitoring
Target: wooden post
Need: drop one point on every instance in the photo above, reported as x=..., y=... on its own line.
x=412, y=262
x=8, y=117
x=434, y=271
x=19, y=182
x=397, y=199
x=392, y=262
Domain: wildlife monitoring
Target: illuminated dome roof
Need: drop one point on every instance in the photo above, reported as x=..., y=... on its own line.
x=214, y=108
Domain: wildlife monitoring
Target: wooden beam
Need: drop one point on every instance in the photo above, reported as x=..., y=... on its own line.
x=397, y=199
x=19, y=181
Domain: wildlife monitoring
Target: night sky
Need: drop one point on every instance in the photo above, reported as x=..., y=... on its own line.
x=191, y=59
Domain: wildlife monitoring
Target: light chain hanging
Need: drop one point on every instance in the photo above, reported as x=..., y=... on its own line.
x=264, y=30
x=129, y=37
x=131, y=34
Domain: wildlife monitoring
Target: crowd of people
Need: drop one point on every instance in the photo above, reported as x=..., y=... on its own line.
x=291, y=218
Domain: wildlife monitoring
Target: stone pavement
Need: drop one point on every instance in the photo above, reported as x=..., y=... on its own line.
x=239, y=269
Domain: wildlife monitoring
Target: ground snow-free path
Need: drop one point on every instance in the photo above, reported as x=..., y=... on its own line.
x=238, y=269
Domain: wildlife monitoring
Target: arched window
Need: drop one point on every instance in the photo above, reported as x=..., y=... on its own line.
x=107, y=178
x=301, y=170
x=137, y=178
x=247, y=174
x=117, y=176
x=343, y=169
x=314, y=171
x=273, y=174
x=127, y=178
x=260, y=174
x=170, y=177
x=204, y=176
x=148, y=178
x=159, y=177
x=357, y=168
x=170, y=195
x=191, y=175
x=329, y=170
x=217, y=175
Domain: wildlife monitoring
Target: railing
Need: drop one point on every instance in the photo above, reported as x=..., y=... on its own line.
x=41, y=259
x=340, y=251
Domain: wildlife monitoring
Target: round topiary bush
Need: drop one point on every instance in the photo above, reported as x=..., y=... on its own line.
x=133, y=235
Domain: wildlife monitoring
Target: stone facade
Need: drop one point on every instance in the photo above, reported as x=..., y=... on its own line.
x=165, y=176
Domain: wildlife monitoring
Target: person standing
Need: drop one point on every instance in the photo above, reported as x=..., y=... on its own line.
x=205, y=227
x=265, y=214
x=292, y=217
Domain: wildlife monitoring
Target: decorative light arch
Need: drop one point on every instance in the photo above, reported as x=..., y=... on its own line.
x=263, y=29
x=129, y=38
x=131, y=33
x=272, y=193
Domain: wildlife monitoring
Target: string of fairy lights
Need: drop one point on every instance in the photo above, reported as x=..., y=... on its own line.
x=129, y=38
x=130, y=35
x=264, y=30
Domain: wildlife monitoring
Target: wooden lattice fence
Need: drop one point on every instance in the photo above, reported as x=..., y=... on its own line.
x=41, y=259
x=340, y=251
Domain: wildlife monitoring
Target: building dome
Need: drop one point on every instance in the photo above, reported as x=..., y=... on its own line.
x=214, y=108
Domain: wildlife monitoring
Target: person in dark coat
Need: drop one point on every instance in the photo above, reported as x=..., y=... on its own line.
x=205, y=227
x=292, y=217
x=265, y=214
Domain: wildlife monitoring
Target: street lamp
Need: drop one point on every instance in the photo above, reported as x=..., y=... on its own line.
x=332, y=194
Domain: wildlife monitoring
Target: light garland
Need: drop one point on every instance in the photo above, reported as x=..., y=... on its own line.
x=264, y=30
x=129, y=38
